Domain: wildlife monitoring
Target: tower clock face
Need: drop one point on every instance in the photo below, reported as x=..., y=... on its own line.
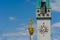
x=43, y=29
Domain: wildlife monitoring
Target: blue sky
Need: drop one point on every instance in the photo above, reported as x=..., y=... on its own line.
x=15, y=15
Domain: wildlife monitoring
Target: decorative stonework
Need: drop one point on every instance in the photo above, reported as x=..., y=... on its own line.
x=43, y=29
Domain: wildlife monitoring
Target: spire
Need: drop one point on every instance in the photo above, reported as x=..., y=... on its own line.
x=48, y=4
x=38, y=4
x=43, y=0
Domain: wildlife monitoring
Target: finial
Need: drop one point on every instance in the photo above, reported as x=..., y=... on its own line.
x=31, y=21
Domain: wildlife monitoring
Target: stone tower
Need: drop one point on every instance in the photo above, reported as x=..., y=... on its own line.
x=43, y=16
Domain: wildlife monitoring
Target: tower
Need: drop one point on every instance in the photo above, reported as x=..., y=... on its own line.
x=43, y=16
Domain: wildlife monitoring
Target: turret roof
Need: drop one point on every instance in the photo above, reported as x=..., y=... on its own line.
x=48, y=4
x=43, y=0
x=38, y=4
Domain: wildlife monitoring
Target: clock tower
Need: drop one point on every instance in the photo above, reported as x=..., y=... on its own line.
x=43, y=16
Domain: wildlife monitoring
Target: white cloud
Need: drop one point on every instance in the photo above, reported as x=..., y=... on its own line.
x=56, y=5
x=15, y=34
x=56, y=24
x=15, y=38
x=21, y=35
x=56, y=38
x=0, y=38
x=20, y=29
x=12, y=18
x=54, y=27
x=22, y=24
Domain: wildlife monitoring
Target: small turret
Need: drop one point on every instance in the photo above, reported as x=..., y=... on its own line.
x=43, y=9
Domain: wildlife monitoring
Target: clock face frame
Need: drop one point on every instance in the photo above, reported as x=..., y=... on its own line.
x=43, y=29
